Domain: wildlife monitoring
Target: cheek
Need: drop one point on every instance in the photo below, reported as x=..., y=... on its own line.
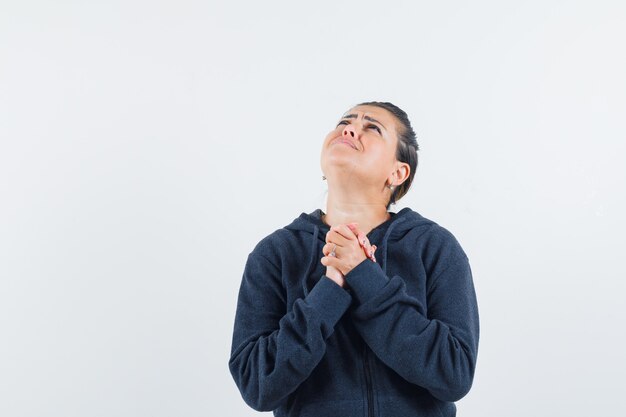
x=379, y=158
x=331, y=134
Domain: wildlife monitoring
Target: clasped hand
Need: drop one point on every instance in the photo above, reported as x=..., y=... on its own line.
x=352, y=248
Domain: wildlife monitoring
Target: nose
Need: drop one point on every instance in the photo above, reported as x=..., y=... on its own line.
x=349, y=131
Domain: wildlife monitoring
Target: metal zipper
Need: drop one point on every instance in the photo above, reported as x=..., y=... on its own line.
x=368, y=382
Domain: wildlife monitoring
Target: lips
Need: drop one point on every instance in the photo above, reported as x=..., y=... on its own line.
x=347, y=142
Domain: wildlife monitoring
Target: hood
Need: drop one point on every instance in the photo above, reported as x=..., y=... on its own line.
x=393, y=228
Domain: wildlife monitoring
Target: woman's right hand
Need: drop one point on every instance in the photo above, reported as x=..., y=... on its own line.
x=333, y=273
x=336, y=275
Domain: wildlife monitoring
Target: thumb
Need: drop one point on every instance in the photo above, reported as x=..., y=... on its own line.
x=359, y=235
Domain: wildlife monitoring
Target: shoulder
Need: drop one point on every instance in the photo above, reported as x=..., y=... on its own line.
x=436, y=245
x=293, y=236
x=276, y=246
x=440, y=253
x=440, y=239
x=429, y=232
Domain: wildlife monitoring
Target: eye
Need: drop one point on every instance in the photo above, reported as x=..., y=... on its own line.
x=375, y=127
x=343, y=122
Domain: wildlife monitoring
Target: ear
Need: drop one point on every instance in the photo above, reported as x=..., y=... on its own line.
x=400, y=174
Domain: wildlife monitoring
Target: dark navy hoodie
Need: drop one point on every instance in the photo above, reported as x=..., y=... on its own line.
x=401, y=339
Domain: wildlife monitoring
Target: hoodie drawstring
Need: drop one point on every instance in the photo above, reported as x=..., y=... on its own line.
x=311, y=260
x=305, y=222
x=384, y=243
x=314, y=245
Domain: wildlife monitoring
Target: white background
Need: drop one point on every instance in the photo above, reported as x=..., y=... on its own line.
x=146, y=147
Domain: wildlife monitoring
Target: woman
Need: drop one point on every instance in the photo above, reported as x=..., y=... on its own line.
x=325, y=326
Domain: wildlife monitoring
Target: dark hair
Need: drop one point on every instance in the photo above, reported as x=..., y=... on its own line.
x=407, y=148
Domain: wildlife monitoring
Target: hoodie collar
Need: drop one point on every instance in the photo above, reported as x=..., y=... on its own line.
x=312, y=223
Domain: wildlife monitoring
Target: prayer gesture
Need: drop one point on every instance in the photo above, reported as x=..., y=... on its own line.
x=346, y=247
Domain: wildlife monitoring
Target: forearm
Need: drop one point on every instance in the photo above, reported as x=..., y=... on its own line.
x=437, y=353
x=267, y=366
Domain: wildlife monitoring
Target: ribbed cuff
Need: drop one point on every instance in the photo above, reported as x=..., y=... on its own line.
x=329, y=299
x=366, y=279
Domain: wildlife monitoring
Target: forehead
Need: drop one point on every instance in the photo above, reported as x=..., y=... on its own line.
x=371, y=111
x=378, y=113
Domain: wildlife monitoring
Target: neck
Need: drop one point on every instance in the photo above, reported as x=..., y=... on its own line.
x=355, y=209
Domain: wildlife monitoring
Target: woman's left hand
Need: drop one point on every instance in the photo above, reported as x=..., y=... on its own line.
x=363, y=240
x=349, y=252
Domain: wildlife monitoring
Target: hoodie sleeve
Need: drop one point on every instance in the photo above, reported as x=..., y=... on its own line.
x=273, y=350
x=437, y=351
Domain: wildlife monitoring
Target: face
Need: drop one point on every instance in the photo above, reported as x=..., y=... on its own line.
x=362, y=145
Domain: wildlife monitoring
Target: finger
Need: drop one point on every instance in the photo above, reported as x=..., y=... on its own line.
x=344, y=231
x=357, y=232
x=330, y=261
x=335, y=237
x=362, y=237
x=328, y=248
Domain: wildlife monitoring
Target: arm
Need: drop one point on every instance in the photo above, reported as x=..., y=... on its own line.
x=274, y=351
x=436, y=351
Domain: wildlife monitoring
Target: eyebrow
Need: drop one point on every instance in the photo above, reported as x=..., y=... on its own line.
x=354, y=116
